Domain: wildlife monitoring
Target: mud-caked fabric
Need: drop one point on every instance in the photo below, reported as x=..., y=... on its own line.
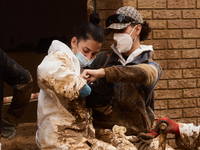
x=130, y=103
x=63, y=120
x=21, y=82
x=189, y=136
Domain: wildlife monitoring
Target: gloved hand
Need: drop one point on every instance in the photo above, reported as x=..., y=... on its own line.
x=8, y=129
x=153, y=133
x=172, y=126
x=85, y=91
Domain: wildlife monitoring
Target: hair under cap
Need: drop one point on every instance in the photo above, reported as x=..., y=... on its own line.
x=128, y=11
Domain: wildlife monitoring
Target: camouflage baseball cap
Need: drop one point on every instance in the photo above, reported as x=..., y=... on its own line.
x=128, y=12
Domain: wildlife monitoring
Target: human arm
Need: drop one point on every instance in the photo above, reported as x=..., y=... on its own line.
x=145, y=74
x=21, y=82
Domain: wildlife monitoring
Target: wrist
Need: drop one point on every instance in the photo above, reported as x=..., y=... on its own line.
x=101, y=73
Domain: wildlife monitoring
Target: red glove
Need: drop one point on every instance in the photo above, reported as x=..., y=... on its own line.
x=172, y=126
x=153, y=133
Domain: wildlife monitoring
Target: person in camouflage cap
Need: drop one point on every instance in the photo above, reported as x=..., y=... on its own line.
x=130, y=66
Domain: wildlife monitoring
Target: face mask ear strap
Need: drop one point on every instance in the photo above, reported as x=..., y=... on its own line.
x=134, y=39
x=133, y=30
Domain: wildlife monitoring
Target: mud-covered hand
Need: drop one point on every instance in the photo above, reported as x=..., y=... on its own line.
x=8, y=129
x=93, y=75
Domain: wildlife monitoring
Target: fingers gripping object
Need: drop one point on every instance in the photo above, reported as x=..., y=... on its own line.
x=173, y=127
x=161, y=128
x=8, y=129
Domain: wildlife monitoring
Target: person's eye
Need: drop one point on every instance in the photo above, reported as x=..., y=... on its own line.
x=93, y=54
x=86, y=51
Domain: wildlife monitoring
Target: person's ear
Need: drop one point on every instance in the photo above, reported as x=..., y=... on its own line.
x=138, y=29
x=73, y=43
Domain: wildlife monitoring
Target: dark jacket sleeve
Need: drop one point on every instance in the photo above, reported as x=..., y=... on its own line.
x=145, y=74
x=21, y=81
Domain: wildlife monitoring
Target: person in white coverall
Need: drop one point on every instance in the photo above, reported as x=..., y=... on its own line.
x=63, y=120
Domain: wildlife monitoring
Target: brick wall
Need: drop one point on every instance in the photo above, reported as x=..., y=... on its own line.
x=176, y=40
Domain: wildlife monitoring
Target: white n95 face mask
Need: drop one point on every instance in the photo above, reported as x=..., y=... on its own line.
x=124, y=41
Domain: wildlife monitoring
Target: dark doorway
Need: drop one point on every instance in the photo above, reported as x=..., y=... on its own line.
x=25, y=23
x=27, y=28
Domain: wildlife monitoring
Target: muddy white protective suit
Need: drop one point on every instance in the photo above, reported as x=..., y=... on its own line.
x=189, y=136
x=63, y=120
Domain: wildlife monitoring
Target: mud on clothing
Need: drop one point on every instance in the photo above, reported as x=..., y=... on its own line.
x=132, y=78
x=63, y=120
x=21, y=82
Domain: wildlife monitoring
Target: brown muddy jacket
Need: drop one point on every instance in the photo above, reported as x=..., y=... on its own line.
x=133, y=92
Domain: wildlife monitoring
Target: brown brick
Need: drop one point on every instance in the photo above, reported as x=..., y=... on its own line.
x=104, y=14
x=157, y=34
x=191, y=13
x=157, y=44
x=161, y=84
x=152, y=4
x=150, y=36
x=157, y=24
x=165, y=94
x=191, y=33
x=162, y=63
x=166, y=14
x=198, y=63
x=182, y=83
x=146, y=14
x=111, y=4
x=129, y=3
x=191, y=92
x=198, y=43
x=191, y=112
x=198, y=82
x=165, y=54
x=186, y=120
x=181, y=24
x=184, y=63
x=171, y=74
x=172, y=113
x=181, y=44
x=198, y=121
x=160, y=104
x=182, y=103
x=181, y=4
x=191, y=73
x=191, y=53
x=198, y=102
x=198, y=4
x=198, y=23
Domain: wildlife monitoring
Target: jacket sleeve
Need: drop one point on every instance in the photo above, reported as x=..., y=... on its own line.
x=57, y=73
x=146, y=74
x=21, y=81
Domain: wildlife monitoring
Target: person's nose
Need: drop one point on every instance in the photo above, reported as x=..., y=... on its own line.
x=89, y=56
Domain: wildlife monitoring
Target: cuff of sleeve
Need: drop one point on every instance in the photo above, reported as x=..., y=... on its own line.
x=85, y=91
x=108, y=74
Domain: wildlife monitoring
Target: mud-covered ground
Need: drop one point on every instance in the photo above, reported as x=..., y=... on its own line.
x=24, y=139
